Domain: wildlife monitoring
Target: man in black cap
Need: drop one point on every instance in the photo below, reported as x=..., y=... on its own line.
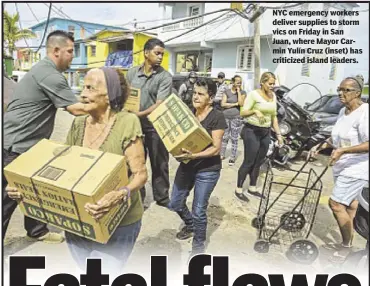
x=221, y=87
x=187, y=88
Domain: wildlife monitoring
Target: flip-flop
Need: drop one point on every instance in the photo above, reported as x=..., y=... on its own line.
x=334, y=246
x=338, y=257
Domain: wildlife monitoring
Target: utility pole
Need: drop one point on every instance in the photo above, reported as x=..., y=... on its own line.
x=257, y=50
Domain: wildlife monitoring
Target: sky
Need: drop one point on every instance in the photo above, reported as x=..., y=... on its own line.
x=149, y=13
x=105, y=13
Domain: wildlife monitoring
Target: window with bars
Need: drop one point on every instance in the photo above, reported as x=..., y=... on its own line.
x=194, y=10
x=305, y=71
x=245, y=58
x=333, y=71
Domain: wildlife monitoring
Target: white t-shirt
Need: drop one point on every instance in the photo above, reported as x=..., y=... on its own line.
x=351, y=130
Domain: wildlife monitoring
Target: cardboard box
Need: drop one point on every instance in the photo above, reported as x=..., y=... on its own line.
x=178, y=127
x=56, y=182
x=133, y=100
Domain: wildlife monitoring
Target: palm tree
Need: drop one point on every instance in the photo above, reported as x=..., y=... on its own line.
x=12, y=33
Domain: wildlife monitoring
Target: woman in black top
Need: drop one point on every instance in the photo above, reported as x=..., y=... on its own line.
x=202, y=172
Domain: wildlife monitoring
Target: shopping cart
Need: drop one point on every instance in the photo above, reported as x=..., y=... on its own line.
x=287, y=212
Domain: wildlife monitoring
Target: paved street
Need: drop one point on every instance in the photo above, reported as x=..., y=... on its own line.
x=229, y=229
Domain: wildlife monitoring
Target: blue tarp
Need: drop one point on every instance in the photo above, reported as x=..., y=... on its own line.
x=120, y=58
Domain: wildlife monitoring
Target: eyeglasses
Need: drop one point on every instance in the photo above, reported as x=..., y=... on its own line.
x=220, y=77
x=345, y=90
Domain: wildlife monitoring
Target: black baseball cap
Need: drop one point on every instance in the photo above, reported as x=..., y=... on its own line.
x=221, y=75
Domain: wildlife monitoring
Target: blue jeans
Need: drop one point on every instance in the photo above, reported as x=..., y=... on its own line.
x=114, y=254
x=204, y=184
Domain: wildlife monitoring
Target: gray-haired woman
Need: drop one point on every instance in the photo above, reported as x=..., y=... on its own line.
x=110, y=129
x=350, y=160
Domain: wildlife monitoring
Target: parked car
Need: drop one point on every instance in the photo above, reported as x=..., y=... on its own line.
x=326, y=109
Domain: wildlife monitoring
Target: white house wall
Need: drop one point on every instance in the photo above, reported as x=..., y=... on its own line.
x=227, y=29
x=290, y=75
x=225, y=60
x=179, y=10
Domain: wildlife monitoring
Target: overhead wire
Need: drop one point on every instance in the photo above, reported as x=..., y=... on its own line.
x=65, y=16
x=170, y=39
x=143, y=22
x=29, y=7
x=20, y=23
x=46, y=27
x=195, y=28
x=220, y=21
x=191, y=18
x=167, y=24
x=233, y=20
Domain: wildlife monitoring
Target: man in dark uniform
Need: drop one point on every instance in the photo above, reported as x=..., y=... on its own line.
x=187, y=88
x=30, y=117
x=154, y=85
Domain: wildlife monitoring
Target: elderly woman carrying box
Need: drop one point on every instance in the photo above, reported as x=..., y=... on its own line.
x=110, y=129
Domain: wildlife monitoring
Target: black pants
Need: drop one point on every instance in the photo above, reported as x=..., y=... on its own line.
x=256, y=144
x=33, y=227
x=159, y=159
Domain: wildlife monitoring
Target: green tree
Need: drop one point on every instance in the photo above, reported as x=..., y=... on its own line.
x=12, y=32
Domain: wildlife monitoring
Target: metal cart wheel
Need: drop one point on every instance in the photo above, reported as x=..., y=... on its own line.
x=294, y=221
x=258, y=222
x=303, y=252
x=261, y=246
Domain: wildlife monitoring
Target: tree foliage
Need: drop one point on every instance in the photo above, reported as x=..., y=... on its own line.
x=12, y=32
